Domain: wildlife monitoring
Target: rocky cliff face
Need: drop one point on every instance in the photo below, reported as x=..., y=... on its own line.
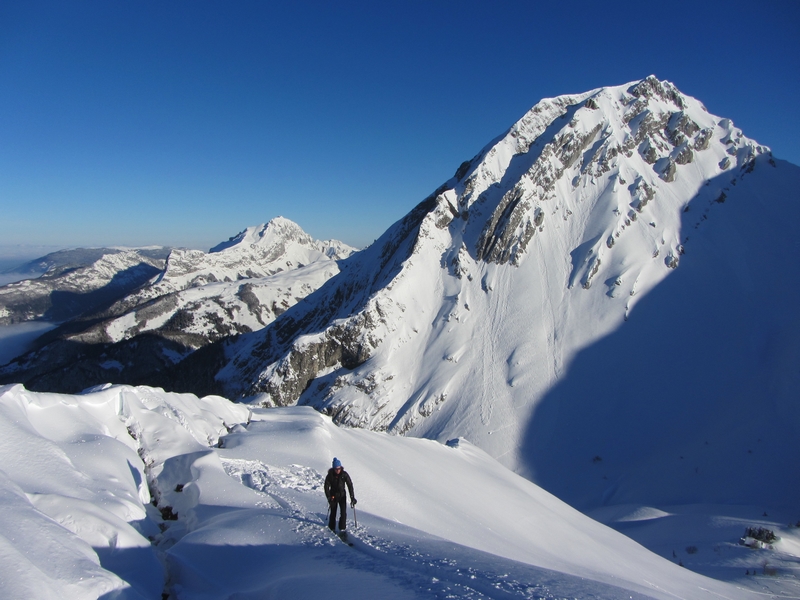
x=464, y=315
x=197, y=298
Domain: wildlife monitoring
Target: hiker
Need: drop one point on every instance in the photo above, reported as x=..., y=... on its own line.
x=337, y=495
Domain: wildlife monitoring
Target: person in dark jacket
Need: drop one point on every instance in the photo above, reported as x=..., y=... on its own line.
x=337, y=484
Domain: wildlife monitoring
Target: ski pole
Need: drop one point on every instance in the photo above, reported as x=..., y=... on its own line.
x=355, y=516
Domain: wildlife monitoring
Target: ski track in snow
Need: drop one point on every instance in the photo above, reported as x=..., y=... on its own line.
x=419, y=571
x=498, y=292
x=201, y=499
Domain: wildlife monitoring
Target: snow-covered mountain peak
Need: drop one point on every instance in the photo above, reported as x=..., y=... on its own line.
x=640, y=136
x=603, y=299
x=276, y=231
x=464, y=315
x=259, y=251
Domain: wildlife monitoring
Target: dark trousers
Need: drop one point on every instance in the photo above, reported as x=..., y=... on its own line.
x=341, y=503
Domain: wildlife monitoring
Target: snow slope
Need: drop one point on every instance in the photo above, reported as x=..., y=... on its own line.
x=467, y=315
x=694, y=398
x=240, y=509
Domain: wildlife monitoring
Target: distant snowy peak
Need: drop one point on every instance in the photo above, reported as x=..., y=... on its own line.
x=263, y=234
x=279, y=232
x=260, y=251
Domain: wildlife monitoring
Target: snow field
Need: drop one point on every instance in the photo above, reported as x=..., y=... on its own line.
x=239, y=510
x=706, y=539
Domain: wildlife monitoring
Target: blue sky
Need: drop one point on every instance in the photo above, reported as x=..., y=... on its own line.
x=181, y=123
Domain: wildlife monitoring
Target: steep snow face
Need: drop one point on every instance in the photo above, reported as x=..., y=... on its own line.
x=465, y=314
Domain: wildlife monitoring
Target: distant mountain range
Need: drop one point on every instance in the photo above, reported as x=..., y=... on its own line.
x=604, y=299
x=68, y=283
x=173, y=308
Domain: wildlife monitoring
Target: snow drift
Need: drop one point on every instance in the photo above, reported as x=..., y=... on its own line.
x=130, y=492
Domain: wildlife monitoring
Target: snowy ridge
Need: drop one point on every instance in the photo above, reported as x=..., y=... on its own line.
x=239, y=286
x=260, y=251
x=464, y=314
x=199, y=498
x=214, y=310
x=109, y=274
x=198, y=298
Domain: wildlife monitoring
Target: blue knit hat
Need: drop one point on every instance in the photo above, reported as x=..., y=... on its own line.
x=336, y=462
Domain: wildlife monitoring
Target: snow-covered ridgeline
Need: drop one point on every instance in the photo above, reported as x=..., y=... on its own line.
x=198, y=298
x=240, y=510
x=77, y=289
x=214, y=310
x=465, y=313
x=239, y=285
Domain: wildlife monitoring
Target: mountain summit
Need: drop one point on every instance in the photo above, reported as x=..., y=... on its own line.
x=469, y=314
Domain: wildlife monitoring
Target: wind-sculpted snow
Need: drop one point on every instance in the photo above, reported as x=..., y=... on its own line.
x=78, y=477
x=136, y=493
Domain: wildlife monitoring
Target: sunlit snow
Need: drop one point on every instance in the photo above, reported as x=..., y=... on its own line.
x=91, y=484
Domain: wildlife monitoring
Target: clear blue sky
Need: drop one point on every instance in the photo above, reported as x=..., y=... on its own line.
x=181, y=123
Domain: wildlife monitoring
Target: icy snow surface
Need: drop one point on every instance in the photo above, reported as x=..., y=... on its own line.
x=78, y=473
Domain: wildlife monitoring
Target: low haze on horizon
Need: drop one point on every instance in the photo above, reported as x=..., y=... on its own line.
x=183, y=123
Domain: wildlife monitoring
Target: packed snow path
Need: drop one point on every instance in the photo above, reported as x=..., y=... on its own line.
x=136, y=493
x=414, y=563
